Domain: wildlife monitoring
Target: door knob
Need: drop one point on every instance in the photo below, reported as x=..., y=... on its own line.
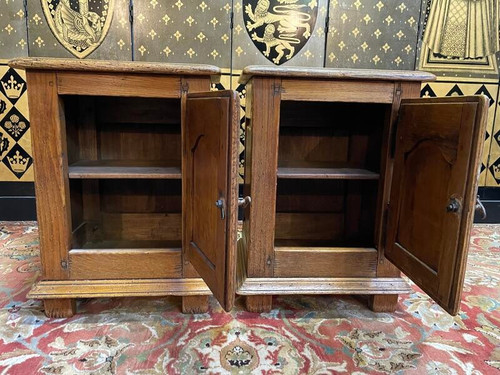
x=243, y=202
x=453, y=205
x=480, y=208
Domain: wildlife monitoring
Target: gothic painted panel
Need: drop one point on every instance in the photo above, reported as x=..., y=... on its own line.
x=97, y=29
x=15, y=142
x=13, y=34
x=183, y=31
x=279, y=32
x=493, y=171
x=434, y=89
x=372, y=34
x=460, y=39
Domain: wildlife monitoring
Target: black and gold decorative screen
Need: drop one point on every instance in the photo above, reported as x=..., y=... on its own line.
x=458, y=40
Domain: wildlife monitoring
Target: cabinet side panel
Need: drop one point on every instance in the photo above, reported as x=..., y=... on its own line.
x=265, y=99
x=48, y=131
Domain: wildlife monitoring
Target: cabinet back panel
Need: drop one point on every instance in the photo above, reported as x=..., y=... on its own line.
x=335, y=134
x=117, y=128
x=141, y=196
x=325, y=213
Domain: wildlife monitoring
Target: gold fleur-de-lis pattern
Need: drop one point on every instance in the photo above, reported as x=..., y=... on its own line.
x=372, y=34
x=13, y=33
x=191, y=31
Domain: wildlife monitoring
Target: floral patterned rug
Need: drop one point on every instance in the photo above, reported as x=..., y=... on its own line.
x=302, y=335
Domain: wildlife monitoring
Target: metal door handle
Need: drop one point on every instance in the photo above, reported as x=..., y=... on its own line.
x=480, y=208
x=243, y=202
x=219, y=203
x=453, y=205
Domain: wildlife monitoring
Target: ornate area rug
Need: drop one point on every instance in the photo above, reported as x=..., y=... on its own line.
x=302, y=335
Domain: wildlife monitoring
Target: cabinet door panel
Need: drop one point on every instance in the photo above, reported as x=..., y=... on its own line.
x=436, y=167
x=211, y=190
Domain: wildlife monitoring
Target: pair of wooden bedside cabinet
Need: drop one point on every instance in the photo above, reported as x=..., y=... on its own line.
x=350, y=178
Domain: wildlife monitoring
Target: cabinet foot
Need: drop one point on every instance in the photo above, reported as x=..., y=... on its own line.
x=59, y=308
x=383, y=302
x=259, y=303
x=194, y=304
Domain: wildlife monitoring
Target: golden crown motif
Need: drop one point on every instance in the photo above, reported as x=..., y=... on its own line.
x=18, y=163
x=12, y=88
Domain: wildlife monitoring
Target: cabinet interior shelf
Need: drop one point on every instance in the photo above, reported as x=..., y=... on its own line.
x=318, y=170
x=116, y=169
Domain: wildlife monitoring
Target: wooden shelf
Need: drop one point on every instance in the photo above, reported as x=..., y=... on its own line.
x=140, y=245
x=117, y=169
x=318, y=170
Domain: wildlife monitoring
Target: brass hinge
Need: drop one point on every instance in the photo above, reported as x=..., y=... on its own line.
x=184, y=87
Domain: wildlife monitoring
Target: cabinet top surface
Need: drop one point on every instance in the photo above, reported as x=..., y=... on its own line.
x=58, y=64
x=331, y=73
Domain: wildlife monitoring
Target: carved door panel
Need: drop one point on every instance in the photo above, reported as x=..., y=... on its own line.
x=211, y=189
x=436, y=168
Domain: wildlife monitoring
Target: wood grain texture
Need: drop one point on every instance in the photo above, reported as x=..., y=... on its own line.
x=210, y=140
x=312, y=285
x=259, y=304
x=48, y=132
x=194, y=304
x=436, y=162
x=118, y=288
x=260, y=176
x=120, y=169
x=118, y=84
x=331, y=73
x=59, y=308
x=325, y=262
x=140, y=263
x=112, y=66
x=337, y=91
x=383, y=302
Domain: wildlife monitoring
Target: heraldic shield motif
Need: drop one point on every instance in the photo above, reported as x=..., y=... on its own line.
x=280, y=28
x=79, y=25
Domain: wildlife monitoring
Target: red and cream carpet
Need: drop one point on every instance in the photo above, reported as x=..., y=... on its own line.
x=303, y=335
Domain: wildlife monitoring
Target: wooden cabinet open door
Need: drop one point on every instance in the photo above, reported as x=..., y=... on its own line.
x=210, y=189
x=432, y=201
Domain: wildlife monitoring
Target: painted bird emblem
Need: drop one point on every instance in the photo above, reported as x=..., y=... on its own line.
x=80, y=29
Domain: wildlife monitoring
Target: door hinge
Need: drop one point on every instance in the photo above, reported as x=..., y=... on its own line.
x=394, y=130
x=327, y=25
x=231, y=20
x=184, y=87
x=64, y=264
x=131, y=13
x=276, y=89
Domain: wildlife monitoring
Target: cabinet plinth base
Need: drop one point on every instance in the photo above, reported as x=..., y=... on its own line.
x=383, y=302
x=59, y=308
x=194, y=304
x=259, y=303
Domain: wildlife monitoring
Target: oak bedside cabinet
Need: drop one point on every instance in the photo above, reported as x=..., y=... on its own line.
x=112, y=175
x=348, y=170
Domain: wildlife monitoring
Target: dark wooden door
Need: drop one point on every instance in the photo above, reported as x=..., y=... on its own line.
x=436, y=168
x=211, y=189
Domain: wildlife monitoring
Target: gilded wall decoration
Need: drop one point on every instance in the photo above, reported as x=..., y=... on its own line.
x=460, y=39
x=279, y=28
x=15, y=143
x=13, y=33
x=96, y=29
x=183, y=31
x=281, y=32
x=374, y=34
x=433, y=89
x=80, y=26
